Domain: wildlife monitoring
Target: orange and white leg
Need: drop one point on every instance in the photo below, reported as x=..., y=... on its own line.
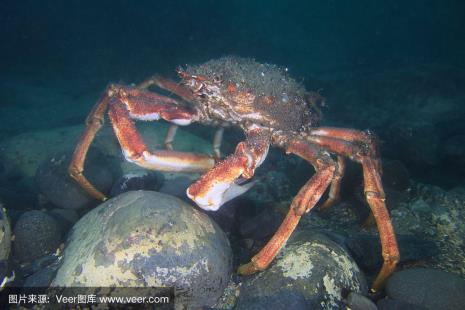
x=169, y=85
x=139, y=104
x=94, y=122
x=124, y=108
x=222, y=183
x=305, y=200
x=149, y=106
x=361, y=147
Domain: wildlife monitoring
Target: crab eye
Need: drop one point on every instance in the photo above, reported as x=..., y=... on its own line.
x=217, y=79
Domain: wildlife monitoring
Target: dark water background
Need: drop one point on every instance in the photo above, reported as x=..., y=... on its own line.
x=394, y=67
x=384, y=65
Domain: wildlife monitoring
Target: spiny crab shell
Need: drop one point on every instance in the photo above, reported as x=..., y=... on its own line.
x=242, y=92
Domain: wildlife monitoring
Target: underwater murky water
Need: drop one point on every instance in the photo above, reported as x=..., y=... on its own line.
x=280, y=72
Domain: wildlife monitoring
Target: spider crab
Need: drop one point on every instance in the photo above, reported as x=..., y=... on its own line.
x=273, y=110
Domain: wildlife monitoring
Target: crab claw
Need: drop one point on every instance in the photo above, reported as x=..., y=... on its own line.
x=227, y=179
x=219, y=194
x=220, y=184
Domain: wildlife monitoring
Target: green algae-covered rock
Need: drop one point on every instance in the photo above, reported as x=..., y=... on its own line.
x=142, y=239
x=312, y=268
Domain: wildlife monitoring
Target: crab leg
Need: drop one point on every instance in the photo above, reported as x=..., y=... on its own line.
x=335, y=189
x=364, y=140
x=134, y=148
x=170, y=137
x=217, y=139
x=94, y=122
x=168, y=85
x=220, y=184
x=305, y=200
x=361, y=147
x=142, y=105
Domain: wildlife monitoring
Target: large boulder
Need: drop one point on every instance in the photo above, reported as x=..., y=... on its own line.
x=310, y=269
x=142, y=239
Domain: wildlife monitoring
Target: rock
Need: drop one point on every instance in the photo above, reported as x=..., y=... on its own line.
x=357, y=301
x=391, y=304
x=310, y=265
x=225, y=216
x=430, y=288
x=366, y=250
x=282, y=300
x=5, y=235
x=65, y=218
x=261, y=226
x=56, y=185
x=272, y=185
x=177, y=187
x=420, y=206
x=48, y=260
x=23, y=153
x=144, y=238
x=139, y=180
x=36, y=234
x=41, y=278
x=5, y=243
x=395, y=198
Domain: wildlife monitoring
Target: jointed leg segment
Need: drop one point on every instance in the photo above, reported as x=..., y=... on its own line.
x=305, y=200
x=361, y=147
x=217, y=143
x=136, y=151
x=168, y=143
x=127, y=103
x=335, y=188
x=93, y=124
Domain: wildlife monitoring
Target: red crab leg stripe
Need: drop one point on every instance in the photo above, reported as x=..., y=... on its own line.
x=135, y=150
